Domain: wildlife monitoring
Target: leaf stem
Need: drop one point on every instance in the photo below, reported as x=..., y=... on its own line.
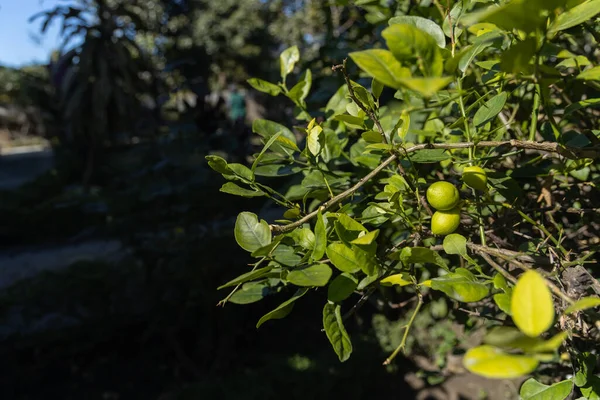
x=406, y=331
x=534, y=112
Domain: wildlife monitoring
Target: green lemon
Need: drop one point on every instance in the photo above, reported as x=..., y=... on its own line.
x=443, y=195
x=445, y=222
x=475, y=177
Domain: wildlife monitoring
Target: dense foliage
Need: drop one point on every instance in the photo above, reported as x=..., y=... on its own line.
x=495, y=99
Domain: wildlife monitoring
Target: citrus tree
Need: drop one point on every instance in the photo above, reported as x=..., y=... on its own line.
x=458, y=163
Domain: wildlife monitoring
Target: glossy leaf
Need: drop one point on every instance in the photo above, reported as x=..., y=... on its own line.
x=533, y=390
x=491, y=362
x=490, y=109
x=301, y=89
x=367, y=238
x=426, y=87
x=264, y=86
x=381, y=65
x=461, y=286
x=455, y=244
x=408, y=42
x=412, y=255
x=575, y=16
x=284, y=308
x=251, y=234
x=424, y=24
x=320, y=238
x=250, y=293
x=314, y=275
x=287, y=60
x=531, y=304
x=336, y=332
x=502, y=300
x=232, y=188
x=583, y=304
x=341, y=287
x=592, y=74
x=396, y=279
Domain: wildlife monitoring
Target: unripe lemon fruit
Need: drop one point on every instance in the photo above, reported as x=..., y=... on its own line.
x=475, y=177
x=443, y=195
x=445, y=222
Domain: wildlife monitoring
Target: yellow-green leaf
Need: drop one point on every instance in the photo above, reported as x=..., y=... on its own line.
x=397, y=279
x=426, y=87
x=583, y=304
x=491, y=362
x=531, y=304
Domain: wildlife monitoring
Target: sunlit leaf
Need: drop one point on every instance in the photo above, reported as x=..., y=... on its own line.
x=533, y=390
x=314, y=275
x=491, y=362
x=251, y=234
x=583, y=304
x=531, y=304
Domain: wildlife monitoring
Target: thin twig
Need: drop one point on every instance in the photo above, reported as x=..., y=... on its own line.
x=498, y=268
x=359, y=103
x=406, y=331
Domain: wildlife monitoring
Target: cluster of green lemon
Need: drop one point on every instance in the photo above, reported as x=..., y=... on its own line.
x=445, y=198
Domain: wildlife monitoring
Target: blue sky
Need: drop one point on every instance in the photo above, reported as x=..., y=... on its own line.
x=20, y=41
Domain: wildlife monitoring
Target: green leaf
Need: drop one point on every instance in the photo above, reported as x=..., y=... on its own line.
x=285, y=143
x=341, y=287
x=232, y=188
x=426, y=87
x=301, y=89
x=343, y=257
x=510, y=338
x=429, y=156
x=424, y=24
x=284, y=308
x=533, y=390
x=404, y=125
x=376, y=88
x=314, y=140
x=397, y=279
x=461, y=286
x=248, y=276
x=286, y=255
x=575, y=16
x=242, y=172
x=303, y=237
x=335, y=331
x=314, y=275
x=320, y=238
x=592, y=74
x=276, y=170
x=490, y=109
x=531, y=304
x=381, y=65
x=481, y=43
x=524, y=15
x=264, y=86
x=367, y=238
x=250, y=293
x=421, y=255
x=251, y=234
x=491, y=362
x=500, y=282
x=502, y=300
x=218, y=164
x=407, y=43
x=583, y=304
x=518, y=59
x=582, y=104
x=287, y=60
x=455, y=244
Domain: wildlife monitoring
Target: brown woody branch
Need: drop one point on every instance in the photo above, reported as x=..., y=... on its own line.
x=547, y=147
